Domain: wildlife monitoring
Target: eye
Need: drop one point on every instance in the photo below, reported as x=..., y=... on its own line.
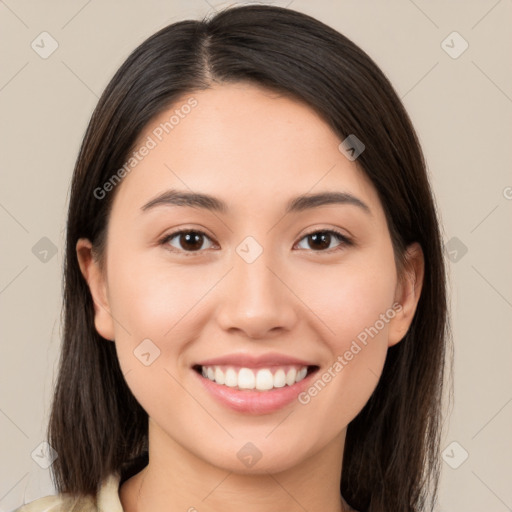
x=191, y=241
x=321, y=240
x=188, y=240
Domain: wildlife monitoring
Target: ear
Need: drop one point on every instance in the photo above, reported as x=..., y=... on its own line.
x=92, y=273
x=407, y=293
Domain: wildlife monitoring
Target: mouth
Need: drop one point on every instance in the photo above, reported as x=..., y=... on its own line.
x=259, y=379
x=254, y=385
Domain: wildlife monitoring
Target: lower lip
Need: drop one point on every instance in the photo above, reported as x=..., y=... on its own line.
x=254, y=402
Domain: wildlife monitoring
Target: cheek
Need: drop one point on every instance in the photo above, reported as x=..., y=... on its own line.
x=341, y=389
x=358, y=308
x=155, y=308
x=153, y=299
x=352, y=299
x=355, y=307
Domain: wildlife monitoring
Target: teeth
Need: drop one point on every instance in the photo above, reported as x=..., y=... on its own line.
x=280, y=378
x=230, y=378
x=246, y=379
x=300, y=374
x=219, y=376
x=263, y=379
x=290, y=377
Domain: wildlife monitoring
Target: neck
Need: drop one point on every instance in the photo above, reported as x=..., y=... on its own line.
x=176, y=479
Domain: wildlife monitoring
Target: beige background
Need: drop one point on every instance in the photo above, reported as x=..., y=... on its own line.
x=461, y=107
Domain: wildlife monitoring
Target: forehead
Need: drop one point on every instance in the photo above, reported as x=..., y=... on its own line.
x=246, y=144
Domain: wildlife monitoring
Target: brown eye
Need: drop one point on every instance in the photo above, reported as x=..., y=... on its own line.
x=187, y=241
x=322, y=240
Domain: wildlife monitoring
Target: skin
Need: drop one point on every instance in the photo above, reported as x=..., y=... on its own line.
x=255, y=150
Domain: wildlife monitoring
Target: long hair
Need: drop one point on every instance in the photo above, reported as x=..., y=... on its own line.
x=391, y=456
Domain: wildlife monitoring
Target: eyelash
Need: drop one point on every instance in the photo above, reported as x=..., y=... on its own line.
x=343, y=239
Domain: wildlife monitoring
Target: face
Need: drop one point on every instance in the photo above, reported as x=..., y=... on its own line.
x=255, y=336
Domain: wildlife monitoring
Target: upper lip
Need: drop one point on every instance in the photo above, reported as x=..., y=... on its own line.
x=252, y=361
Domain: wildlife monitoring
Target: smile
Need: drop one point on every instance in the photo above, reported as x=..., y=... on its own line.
x=260, y=379
x=254, y=385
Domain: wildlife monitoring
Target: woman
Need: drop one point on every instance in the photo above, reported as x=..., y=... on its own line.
x=255, y=305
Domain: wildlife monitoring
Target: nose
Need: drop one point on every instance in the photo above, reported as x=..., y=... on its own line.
x=256, y=299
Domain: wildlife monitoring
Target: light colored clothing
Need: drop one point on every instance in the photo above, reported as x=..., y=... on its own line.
x=107, y=500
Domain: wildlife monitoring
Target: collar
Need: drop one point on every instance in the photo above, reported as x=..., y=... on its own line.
x=108, y=495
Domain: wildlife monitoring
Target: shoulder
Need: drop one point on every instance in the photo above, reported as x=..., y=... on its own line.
x=107, y=500
x=59, y=503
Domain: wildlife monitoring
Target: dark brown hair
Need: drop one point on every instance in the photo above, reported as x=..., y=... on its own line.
x=391, y=458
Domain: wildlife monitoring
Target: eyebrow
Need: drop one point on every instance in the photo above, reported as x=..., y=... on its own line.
x=296, y=204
